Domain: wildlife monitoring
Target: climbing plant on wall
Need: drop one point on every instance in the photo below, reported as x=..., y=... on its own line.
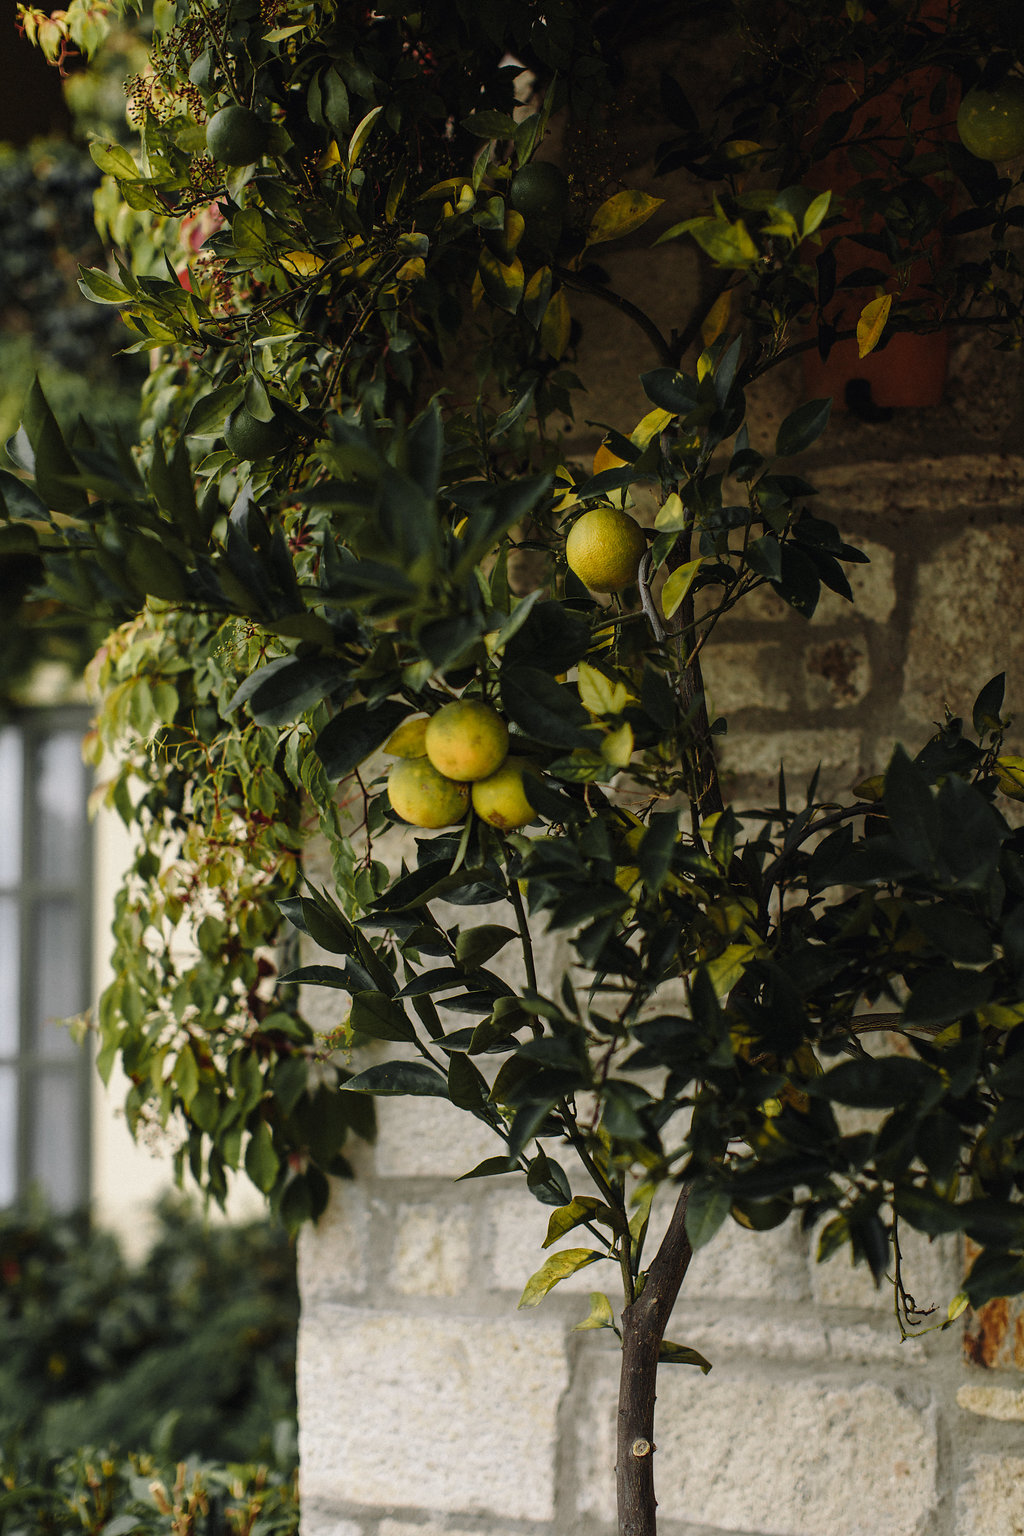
x=355, y=582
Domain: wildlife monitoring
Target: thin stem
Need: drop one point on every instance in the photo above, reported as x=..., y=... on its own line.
x=515, y=896
x=609, y=296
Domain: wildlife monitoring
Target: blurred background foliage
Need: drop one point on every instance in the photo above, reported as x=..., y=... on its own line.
x=186, y=1354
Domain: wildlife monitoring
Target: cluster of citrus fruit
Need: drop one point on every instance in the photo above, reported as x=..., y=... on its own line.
x=458, y=756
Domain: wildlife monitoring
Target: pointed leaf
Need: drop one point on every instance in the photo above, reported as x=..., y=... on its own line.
x=620, y=215
x=802, y=427
x=399, y=1077
x=558, y=1267
x=600, y=1314
x=871, y=323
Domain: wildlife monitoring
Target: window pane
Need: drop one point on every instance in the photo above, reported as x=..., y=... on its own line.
x=58, y=989
x=9, y=972
x=10, y=806
x=8, y=1135
x=54, y=1152
x=58, y=830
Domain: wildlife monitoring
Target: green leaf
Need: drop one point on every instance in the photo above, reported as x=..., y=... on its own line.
x=475, y=946
x=802, y=427
x=381, y=1017
x=285, y=688
x=600, y=1314
x=581, y=1208
x=882, y=1082
x=262, y=1163
x=678, y=585
x=620, y=215
x=102, y=288
x=558, y=1267
x=467, y=1086
x=546, y=710
x=399, y=1077
x=489, y=1168
x=489, y=124
x=112, y=160
x=360, y=135
x=707, y=1208
x=681, y=1354
x=353, y=734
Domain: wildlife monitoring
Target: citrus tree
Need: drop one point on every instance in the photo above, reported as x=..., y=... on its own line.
x=356, y=584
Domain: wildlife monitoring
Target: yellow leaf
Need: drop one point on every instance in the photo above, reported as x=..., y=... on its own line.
x=1001, y=1016
x=726, y=971
x=558, y=1267
x=605, y=459
x=514, y=227
x=600, y=1314
x=1010, y=776
x=649, y=426
x=870, y=789
x=362, y=132
x=598, y=693
x=872, y=323
x=617, y=747
x=717, y=318
x=677, y=586
x=503, y=282
x=301, y=263
x=555, y=326
x=331, y=156
x=620, y=215
x=413, y=270
x=672, y=515
x=739, y=149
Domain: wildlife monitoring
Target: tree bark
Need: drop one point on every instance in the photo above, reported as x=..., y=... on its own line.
x=643, y=1328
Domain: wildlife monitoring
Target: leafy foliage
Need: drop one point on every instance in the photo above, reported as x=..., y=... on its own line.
x=388, y=289
x=191, y=1352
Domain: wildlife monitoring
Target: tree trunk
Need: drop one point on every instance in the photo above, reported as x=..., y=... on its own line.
x=643, y=1328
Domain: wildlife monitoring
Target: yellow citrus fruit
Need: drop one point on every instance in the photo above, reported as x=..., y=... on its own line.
x=424, y=797
x=991, y=123
x=408, y=740
x=467, y=740
x=501, y=799
x=604, y=549
x=235, y=136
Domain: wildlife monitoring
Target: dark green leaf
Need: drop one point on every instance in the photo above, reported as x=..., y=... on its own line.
x=353, y=734
x=547, y=711
x=802, y=427
x=380, y=1017
x=399, y=1077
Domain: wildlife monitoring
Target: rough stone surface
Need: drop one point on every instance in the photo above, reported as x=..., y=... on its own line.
x=450, y=1414
x=1000, y=1403
x=931, y=1273
x=429, y=1138
x=837, y=674
x=320, y=1522
x=332, y=1255
x=432, y=1250
x=745, y=752
x=991, y=1502
x=401, y=1528
x=957, y=638
x=516, y=1226
x=787, y=1457
x=749, y=676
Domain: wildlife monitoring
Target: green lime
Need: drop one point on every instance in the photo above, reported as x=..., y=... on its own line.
x=991, y=123
x=250, y=438
x=235, y=136
x=540, y=190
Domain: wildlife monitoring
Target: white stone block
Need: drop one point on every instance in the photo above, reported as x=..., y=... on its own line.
x=332, y=1254
x=451, y=1414
x=431, y=1254
x=991, y=1502
x=318, y=1522
x=742, y=676
x=754, y=752
x=430, y=1138
x=517, y=1224
x=739, y=1264
x=783, y=1457
x=402, y=1528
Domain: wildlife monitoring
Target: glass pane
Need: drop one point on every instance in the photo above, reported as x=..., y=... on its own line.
x=8, y=1135
x=59, y=810
x=54, y=1148
x=10, y=806
x=57, y=974
x=9, y=971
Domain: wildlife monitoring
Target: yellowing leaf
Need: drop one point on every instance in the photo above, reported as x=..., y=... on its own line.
x=301, y=263
x=739, y=149
x=600, y=1314
x=649, y=426
x=717, y=318
x=598, y=693
x=620, y=215
x=672, y=515
x=726, y=970
x=870, y=789
x=678, y=585
x=872, y=323
x=558, y=1267
x=1001, y=1016
x=816, y=213
x=605, y=459
x=617, y=746
x=960, y=1303
x=360, y=135
x=1010, y=776
x=579, y=1209
x=556, y=325
x=503, y=282
x=514, y=227
x=413, y=270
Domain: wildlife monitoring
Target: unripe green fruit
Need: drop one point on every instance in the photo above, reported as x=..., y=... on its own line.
x=991, y=123
x=249, y=438
x=540, y=192
x=235, y=136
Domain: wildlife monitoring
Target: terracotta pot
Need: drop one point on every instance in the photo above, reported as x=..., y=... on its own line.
x=911, y=369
